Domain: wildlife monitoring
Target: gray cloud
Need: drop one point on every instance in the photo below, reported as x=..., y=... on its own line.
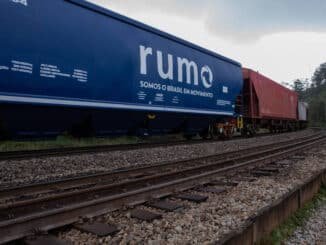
x=256, y=18
x=180, y=7
x=236, y=19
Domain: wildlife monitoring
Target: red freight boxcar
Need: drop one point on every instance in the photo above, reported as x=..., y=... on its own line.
x=267, y=104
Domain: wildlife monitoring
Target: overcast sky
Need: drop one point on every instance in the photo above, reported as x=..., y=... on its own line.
x=284, y=39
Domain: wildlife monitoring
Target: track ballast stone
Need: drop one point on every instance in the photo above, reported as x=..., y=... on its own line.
x=15, y=172
x=210, y=221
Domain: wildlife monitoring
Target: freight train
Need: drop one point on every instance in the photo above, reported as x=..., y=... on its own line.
x=72, y=66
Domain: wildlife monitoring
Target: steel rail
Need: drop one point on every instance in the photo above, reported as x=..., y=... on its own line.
x=58, y=216
x=111, y=176
x=66, y=151
x=133, y=182
x=139, y=182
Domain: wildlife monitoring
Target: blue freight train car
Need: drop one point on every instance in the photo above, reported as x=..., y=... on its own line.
x=69, y=65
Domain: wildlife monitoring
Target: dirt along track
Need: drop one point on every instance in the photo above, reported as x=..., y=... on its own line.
x=47, y=210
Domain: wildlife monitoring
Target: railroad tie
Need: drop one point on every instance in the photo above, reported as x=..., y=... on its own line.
x=269, y=169
x=283, y=162
x=145, y=215
x=192, y=197
x=225, y=183
x=45, y=239
x=214, y=190
x=297, y=157
x=261, y=173
x=246, y=179
x=98, y=228
x=165, y=205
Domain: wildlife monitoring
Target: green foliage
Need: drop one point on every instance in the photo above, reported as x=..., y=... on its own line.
x=300, y=86
x=64, y=141
x=317, y=107
x=315, y=95
x=319, y=77
x=297, y=220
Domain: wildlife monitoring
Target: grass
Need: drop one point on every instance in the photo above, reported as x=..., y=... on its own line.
x=68, y=141
x=64, y=141
x=318, y=124
x=297, y=220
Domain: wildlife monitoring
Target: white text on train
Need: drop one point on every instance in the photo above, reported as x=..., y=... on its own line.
x=191, y=68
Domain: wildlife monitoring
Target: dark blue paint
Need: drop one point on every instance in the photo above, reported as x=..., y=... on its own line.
x=76, y=34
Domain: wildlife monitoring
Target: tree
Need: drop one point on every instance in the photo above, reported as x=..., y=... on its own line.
x=322, y=111
x=300, y=86
x=319, y=76
x=314, y=94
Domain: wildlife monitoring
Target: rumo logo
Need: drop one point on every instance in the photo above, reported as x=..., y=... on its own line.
x=187, y=70
x=23, y=2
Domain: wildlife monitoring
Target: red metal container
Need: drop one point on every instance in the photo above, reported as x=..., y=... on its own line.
x=266, y=99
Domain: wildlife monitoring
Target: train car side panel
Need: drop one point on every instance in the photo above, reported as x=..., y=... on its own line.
x=273, y=100
x=73, y=54
x=86, y=58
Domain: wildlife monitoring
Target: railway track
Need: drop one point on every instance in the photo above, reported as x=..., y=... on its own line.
x=66, y=151
x=52, y=205
x=27, y=191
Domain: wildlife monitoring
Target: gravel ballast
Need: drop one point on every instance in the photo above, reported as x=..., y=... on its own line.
x=15, y=172
x=210, y=221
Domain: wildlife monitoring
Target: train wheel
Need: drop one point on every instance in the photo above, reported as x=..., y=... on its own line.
x=251, y=132
x=204, y=134
x=244, y=132
x=208, y=134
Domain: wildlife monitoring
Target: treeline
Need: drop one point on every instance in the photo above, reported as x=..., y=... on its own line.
x=313, y=91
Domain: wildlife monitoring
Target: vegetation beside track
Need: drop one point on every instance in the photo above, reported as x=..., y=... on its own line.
x=63, y=142
x=313, y=91
x=68, y=142
x=298, y=219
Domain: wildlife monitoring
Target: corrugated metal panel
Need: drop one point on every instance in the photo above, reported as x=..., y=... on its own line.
x=274, y=100
x=302, y=111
